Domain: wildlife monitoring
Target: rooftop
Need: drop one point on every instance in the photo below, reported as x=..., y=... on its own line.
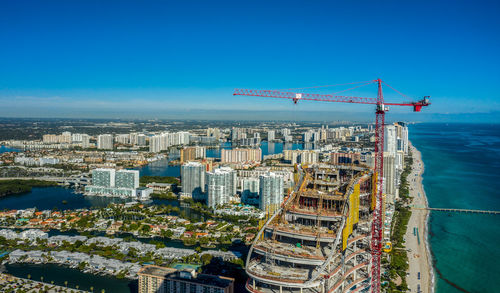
x=170, y=273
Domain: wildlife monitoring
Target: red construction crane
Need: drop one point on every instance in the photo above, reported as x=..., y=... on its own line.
x=376, y=239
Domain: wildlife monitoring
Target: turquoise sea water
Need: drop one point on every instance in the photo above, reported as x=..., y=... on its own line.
x=462, y=170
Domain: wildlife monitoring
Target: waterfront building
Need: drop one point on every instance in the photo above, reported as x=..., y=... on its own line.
x=241, y=155
x=154, y=144
x=402, y=136
x=105, y=142
x=390, y=177
x=254, y=141
x=308, y=136
x=221, y=186
x=193, y=180
x=390, y=141
x=237, y=134
x=103, y=177
x=270, y=191
x=155, y=279
x=192, y=153
x=122, y=183
x=270, y=135
x=127, y=179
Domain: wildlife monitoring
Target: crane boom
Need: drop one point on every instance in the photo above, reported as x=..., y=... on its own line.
x=376, y=233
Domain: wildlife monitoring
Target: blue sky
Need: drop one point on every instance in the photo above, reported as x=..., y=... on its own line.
x=161, y=58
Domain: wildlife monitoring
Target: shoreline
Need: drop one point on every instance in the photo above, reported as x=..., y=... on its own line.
x=419, y=256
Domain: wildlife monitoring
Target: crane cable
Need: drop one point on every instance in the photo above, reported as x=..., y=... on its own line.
x=321, y=86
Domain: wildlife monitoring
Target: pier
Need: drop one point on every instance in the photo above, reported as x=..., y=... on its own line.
x=458, y=210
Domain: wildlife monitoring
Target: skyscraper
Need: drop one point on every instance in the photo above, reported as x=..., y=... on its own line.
x=105, y=142
x=193, y=180
x=270, y=135
x=390, y=139
x=221, y=185
x=271, y=191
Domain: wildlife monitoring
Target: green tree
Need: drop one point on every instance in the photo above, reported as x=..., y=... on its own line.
x=206, y=258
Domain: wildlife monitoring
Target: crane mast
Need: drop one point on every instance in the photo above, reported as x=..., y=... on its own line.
x=381, y=108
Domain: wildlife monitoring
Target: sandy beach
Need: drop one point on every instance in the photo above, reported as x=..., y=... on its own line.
x=420, y=278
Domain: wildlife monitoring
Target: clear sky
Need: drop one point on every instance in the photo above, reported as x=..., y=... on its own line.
x=146, y=59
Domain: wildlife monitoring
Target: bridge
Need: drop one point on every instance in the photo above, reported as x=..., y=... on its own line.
x=458, y=210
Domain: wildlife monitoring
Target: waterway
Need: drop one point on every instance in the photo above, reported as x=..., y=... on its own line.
x=65, y=198
x=461, y=171
x=60, y=274
x=4, y=149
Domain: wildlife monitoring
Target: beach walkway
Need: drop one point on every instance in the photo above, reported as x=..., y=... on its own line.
x=419, y=276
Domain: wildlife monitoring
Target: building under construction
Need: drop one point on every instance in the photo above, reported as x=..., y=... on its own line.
x=319, y=239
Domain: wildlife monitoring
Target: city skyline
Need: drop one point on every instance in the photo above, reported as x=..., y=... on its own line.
x=171, y=60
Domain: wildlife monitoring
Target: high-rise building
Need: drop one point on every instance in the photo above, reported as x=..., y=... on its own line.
x=155, y=144
x=103, y=177
x=390, y=142
x=301, y=156
x=127, y=179
x=85, y=141
x=155, y=279
x=192, y=153
x=390, y=177
x=122, y=183
x=237, y=134
x=141, y=140
x=65, y=137
x=122, y=138
x=105, y=142
x=270, y=135
x=345, y=158
x=308, y=136
x=402, y=136
x=193, y=180
x=250, y=190
x=270, y=191
x=221, y=186
x=213, y=132
x=241, y=155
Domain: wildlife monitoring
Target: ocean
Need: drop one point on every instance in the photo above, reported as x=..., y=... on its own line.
x=462, y=170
